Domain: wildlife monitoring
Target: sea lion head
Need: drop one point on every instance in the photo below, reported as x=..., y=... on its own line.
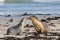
x=31, y=17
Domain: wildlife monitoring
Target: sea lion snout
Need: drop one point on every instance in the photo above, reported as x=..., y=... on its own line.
x=28, y=18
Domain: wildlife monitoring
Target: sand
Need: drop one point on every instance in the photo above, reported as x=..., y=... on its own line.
x=5, y=23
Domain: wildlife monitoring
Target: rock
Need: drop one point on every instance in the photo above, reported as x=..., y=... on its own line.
x=58, y=38
x=7, y=23
x=11, y=20
x=43, y=20
x=57, y=18
x=50, y=18
x=8, y=16
x=27, y=25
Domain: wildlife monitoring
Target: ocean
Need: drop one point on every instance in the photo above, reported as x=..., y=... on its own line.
x=30, y=8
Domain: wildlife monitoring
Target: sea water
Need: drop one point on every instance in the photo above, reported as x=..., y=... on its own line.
x=30, y=8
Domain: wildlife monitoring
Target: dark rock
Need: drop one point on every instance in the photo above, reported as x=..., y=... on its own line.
x=24, y=14
x=58, y=39
x=57, y=18
x=48, y=14
x=43, y=20
x=18, y=34
x=11, y=20
x=50, y=18
x=7, y=23
x=31, y=26
x=8, y=16
x=27, y=25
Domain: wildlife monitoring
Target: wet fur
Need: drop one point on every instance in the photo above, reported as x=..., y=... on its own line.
x=38, y=24
x=15, y=29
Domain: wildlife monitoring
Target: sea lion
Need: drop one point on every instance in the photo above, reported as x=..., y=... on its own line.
x=18, y=29
x=38, y=24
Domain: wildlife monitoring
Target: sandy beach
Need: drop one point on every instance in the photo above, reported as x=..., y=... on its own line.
x=52, y=24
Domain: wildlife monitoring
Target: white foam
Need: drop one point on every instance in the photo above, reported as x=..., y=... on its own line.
x=1, y=2
x=39, y=0
x=46, y=0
